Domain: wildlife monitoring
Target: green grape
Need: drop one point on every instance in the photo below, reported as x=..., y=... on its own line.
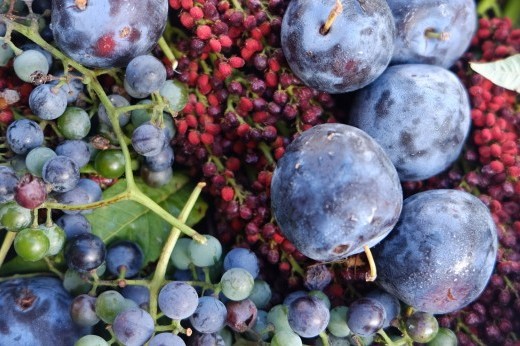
x=91, y=340
x=286, y=337
x=237, y=284
x=128, y=304
x=110, y=163
x=205, y=255
x=56, y=236
x=14, y=217
x=319, y=294
x=36, y=158
x=109, y=304
x=74, y=123
x=140, y=116
x=6, y=53
x=227, y=336
x=338, y=322
x=422, y=326
x=175, y=94
x=74, y=283
x=29, y=62
x=180, y=257
x=31, y=244
x=277, y=316
x=261, y=294
x=444, y=337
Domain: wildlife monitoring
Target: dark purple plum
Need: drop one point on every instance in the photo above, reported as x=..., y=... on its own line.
x=352, y=53
x=441, y=253
x=335, y=191
x=107, y=33
x=35, y=311
x=433, y=32
x=419, y=114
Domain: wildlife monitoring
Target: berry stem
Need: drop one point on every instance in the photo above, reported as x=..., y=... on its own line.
x=373, y=270
x=168, y=52
x=336, y=10
x=6, y=245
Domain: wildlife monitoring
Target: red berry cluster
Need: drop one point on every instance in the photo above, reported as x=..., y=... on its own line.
x=490, y=169
x=245, y=106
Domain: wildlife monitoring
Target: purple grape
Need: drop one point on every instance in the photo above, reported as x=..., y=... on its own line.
x=365, y=316
x=24, y=135
x=61, y=172
x=139, y=294
x=145, y=74
x=84, y=252
x=242, y=258
x=74, y=225
x=82, y=310
x=178, y=300
x=30, y=192
x=133, y=327
x=148, y=139
x=48, y=102
x=117, y=101
x=241, y=316
x=317, y=277
x=209, y=316
x=124, y=255
x=161, y=161
x=308, y=316
x=76, y=196
x=8, y=182
x=166, y=339
x=92, y=188
x=76, y=149
x=390, y=303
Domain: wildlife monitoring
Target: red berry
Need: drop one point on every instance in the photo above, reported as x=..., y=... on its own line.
x=227, y=193
x=204, y=32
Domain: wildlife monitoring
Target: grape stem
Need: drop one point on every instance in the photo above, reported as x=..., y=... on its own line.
x=438, y=35
x=336, y=10
x=6, y=245
x=372, y=275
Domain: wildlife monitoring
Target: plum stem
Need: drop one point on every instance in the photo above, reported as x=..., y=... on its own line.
x=373, y=271
x=336, y=10
x=438, y=35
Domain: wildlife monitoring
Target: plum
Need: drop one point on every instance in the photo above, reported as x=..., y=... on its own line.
x=434, y=32
x=419, y=114
x=35, y=311
x=335, y=191
x=441, y=253
x=350, y=54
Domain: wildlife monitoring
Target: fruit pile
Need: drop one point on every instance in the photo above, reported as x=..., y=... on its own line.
x=183, y=177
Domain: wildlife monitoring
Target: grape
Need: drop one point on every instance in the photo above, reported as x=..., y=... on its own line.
x=175, y=94
x=34, y=46
x=8, y=182
x=205, y=255
x=206, y=339
x=166, y=339
x=261, y=294
x=14, y=217
x=30, y=62
x=106, y=33
x=84, y=252
x=56, y=236
x=41, y=6
x=241, y=316
x=110, y=163
x=390, y=304
x=133, y=327
x=48, y=102
x=73, y=86
x=291, y=297
x=156, y=179
x=6, y=52
x=76, y=196
x=24, y=135
x=308, y=316
x=441, y=253
x=108, y=305
x=74, y=225
x=210, y=315
x=148, y=140
x=91, y=340
x=161, y=161
x=444, y=337
x=30, y=192
x=237, y=283
x=140, y=116
x=286, y=337
x=180, y=257
x=31, y=244
x=322, y=296
x=329, y=60
x=397, y=112
x=77, y=150
x=145, y=74
x=334, y=192
x=338, y=322
x=242, y=258
x=61, y=172
x=365, y=316
x=36, y=159
x=139, y=294
x=260, y=329
x=74, y=123
x=277, y=316
x=92, y=188
x=317, y=277
x=178, y=300
x=83, y=310
x=35, y=312
x=117, y=101
x=124, y=256
x=76, y=283
x=422, y=327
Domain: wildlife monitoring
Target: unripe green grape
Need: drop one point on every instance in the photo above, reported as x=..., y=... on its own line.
x=91, y=340
x=237, y=284
x=56, y=236
x=175, y=94
x=277, y=316
x=29, y=62
x=180, y=257
x=110, y=163
x=109, y=304
x=6, y=53
x=36, y=158
x=14, y=217
x=286, y=337
x=338, y=322
x=74, y=123
x=205, y=255
x=31, y=244
x=444, y=337
x=261, y=294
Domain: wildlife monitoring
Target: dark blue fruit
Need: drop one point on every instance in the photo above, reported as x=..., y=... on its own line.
x=106, y=33
x=441, y=253
x=419, y=114
x=35, y=311
x=433, y=32
x=352, y=53
x=84, y=252
x=335, y=191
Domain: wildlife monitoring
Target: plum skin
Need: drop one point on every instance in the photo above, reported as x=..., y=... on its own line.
x=442, y=252
x=335, y=191
x=355, y=51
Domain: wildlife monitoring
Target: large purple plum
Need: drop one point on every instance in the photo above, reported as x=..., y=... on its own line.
x=441, y=253
x=335, y=191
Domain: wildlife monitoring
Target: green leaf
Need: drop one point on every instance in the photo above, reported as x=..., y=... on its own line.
x=19, y=266
x=512, y=10
x=504, y=73
x=132, y=221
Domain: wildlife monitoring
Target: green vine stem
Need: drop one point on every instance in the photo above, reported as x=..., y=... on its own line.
x=6, y=245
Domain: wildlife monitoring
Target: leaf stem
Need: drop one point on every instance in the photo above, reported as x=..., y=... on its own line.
x=6, y=245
